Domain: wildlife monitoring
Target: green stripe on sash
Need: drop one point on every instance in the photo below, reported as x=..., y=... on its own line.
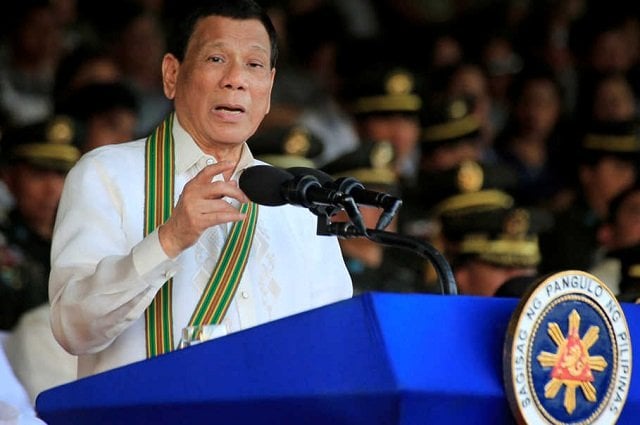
x=226, y=275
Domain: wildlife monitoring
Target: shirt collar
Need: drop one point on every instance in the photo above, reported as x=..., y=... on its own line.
x=189, y=153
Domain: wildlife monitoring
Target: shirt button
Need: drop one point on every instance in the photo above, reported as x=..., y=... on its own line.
x=244, y=294
x=209, y=161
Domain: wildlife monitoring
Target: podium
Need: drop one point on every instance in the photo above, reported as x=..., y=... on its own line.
x=377, y=358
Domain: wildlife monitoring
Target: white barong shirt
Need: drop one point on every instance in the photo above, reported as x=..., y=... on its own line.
x=105, y=272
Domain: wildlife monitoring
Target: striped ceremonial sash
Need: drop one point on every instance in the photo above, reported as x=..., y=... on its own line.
x=227, y=273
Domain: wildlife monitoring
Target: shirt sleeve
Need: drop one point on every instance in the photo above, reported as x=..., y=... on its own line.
x=104, y=274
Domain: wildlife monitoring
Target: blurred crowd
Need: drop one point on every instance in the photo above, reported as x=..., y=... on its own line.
x=507, y=127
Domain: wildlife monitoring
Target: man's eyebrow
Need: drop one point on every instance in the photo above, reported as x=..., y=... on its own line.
x=221, y=44
x=260, y=48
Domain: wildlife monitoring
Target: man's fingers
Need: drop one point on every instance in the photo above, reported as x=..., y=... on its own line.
x=217, y=190
x=203, y=183
x=218, y=217
x=207, y=174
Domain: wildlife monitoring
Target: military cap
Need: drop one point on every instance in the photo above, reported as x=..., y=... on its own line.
x=287, y=146
x=383, y=90
x=471, y=186
x=448, y=120
x=507, y=237
x=478, y=217
x=47, y=144
x=371, y=163
x=618, y=138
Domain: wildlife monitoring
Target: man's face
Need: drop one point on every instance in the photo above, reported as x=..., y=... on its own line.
x=477, y=277
x=222, y=89
x=114, y=126
x=627, y=222
x=449, y=156
x=610, y=176
x=37, y=193
x=402, y=130
x=538, y=108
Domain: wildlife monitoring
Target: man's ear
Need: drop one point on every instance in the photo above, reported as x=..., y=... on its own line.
x=170, y=69
x=273, y=77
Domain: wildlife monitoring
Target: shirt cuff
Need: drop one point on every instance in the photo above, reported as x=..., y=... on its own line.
x=150, y=258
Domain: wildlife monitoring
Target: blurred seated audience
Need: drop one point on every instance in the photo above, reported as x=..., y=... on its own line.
x=534, y=141
x=36, y=159
x=619, y=231
x=85, y=64
x=607, y=164
x=28, y=64
x=103, y=113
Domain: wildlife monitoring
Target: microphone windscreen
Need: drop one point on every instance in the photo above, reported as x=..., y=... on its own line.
x=320, y=175
x=263, y=184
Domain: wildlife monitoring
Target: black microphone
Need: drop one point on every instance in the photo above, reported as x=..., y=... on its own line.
x=273, y=186
x=264, y=187
x=350, y=186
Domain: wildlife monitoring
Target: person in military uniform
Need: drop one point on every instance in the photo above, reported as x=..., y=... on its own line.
x=385, y=104
x=372, y=266
x=449, y=137
x=35, y=159
x=470, y=193
x=607, y=165
x=620, y=230
x=468, y=187
x=287, y=146
x=103, y=113
x=497, y=253
x=450, y=134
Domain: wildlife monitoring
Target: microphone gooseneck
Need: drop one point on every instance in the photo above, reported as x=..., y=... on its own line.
x=446, y=278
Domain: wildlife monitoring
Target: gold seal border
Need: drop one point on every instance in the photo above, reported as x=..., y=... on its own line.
x=530, y=356
x=509, y=348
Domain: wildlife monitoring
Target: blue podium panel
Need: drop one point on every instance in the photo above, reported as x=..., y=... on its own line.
x=446, y=355
x=324, y=366
x=374, y=359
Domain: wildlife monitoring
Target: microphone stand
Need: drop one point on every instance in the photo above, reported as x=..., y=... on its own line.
x=301, y=189
x=447, y=281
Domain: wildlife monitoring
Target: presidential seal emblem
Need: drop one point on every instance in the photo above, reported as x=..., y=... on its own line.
x=567, y=354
